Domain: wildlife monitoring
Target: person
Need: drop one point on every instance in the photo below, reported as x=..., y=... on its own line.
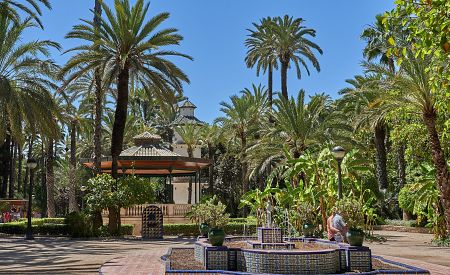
x=339, y=224
x=7, y=217
x=331, y=230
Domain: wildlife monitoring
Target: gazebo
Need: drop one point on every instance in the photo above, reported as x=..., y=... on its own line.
x=148, y=157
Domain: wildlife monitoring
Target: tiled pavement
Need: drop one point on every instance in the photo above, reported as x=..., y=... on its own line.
x=67, y=256
x=148, y=263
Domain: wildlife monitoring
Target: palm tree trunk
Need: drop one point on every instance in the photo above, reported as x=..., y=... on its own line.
x=401, y=164
x=284, y=68
x=440, y=163
x=244, y=171
x=120, y=118
x=98, y=101
x=190, y=154
x=270, y=85
x=5, y=164
x=29, y=155
x=12, y=170
x=50, y=180
x=19, y=168
x=97, y=220
x=73, y=205
x=211, y=170
x=380, y=147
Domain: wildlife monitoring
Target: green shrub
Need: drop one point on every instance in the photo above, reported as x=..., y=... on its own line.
x=40, y=221
x=79, y=225
x=13, y=228
x=406, y=199
x=20, y=228
x=191, y=229
x=126, y=229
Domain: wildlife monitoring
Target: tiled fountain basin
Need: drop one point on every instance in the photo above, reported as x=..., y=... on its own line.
x=333, y=258
x=383, y=266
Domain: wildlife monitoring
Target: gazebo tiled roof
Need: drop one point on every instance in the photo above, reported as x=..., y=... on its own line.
x=149, y=157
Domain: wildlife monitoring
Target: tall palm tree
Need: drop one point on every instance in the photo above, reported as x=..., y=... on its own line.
x=415, y=91
x=358, y=102
x=8, y=8
x=291, y=43
x=243, y=117
x=98, y=106
x=190, y=133
x=381, y=38
x=25, y=81
x=261, y=52
x=211, y=136
x=126, y=47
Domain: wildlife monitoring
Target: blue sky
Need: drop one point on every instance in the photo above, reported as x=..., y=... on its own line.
x=214, y=34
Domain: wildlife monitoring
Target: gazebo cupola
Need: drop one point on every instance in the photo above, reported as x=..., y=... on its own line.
x=187, y=109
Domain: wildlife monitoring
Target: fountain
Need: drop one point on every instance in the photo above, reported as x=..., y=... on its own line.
x=269, y=252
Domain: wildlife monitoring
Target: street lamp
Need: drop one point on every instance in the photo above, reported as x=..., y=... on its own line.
x=31, y=164
x=339, y=153
x=83, y=188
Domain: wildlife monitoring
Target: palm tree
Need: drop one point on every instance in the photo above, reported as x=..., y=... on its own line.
x=358, y=102
x=380, y=42
x=190, y=133
x=415, y=91
x=211, y=135
x=8, y=7
x=243, y=116
x=291, y=44
x=261, y=51
x=25, y=81
x=98, y=107
x=126, y=47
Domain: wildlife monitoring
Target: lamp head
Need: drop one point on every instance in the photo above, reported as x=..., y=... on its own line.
x=31, y=163
x=338, y=152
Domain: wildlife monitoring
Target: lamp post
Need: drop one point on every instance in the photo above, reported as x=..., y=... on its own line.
x=339, y=153
x=83, y=189
x=31, y=164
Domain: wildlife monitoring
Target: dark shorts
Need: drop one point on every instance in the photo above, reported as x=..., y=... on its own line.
x=332, y=239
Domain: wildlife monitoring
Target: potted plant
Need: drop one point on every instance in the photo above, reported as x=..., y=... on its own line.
x=217, y=218
x=351, y=210
x=198, y=215
x=306, y=216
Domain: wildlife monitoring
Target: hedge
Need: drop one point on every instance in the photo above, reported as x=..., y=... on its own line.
x=40, y=221
x=191, y=229
x=53, y=229
x=19, y=228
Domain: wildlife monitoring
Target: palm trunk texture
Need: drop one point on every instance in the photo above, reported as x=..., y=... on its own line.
x=381, y=160
x=440, y=163
x=50, y=181
x=120, y=119
x=73, y=205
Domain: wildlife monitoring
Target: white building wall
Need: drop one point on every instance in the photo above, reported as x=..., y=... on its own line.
x=180, y=192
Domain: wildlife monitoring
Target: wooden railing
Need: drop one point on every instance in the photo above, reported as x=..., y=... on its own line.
x=168, y=210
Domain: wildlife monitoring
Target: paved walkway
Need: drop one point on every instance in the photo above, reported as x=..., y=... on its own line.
x=65, y=256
